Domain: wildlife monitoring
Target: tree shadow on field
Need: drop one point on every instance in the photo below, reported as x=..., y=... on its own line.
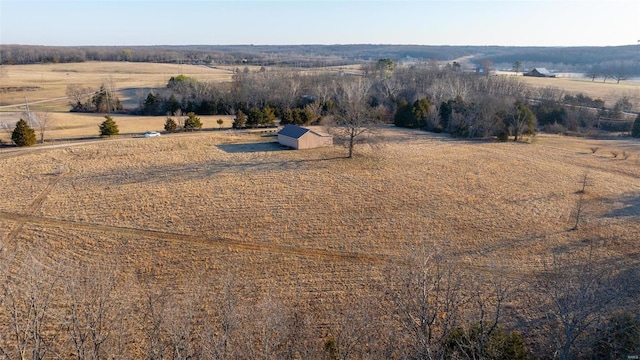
x=251, y=147
x=624, y=206
x=204, y=170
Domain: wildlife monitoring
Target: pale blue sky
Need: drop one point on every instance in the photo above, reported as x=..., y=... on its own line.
x=421, y=22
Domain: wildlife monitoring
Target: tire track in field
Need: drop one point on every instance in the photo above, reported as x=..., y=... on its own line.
x=35, y=205
x=175, y=237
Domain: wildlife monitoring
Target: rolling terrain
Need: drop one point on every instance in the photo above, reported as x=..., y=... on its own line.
x=312, y=230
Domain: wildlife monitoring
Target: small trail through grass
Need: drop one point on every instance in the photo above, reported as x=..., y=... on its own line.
x=22, y=219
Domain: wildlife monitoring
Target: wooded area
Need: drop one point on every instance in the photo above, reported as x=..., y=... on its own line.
x=566, y=59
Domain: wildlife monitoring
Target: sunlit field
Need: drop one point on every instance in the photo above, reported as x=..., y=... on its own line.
x=49, y=81
x=480, y=202
x=608, y=91
x=229, y=227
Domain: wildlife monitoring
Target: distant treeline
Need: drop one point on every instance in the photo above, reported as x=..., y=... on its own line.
x=444, y=99
x=570, y=59
x=557, y=58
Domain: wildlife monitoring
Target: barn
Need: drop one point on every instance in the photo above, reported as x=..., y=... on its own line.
x=298, y=137
x=539, y=72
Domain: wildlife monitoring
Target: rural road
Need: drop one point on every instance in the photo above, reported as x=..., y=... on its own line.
x=17, y=151
x=34, y=102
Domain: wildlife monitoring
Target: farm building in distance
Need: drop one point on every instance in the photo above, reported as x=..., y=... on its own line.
x=539, y=72
x=297, y=137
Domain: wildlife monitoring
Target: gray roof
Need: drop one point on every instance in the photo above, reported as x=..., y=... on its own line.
x=543, y=71
x=293, y=131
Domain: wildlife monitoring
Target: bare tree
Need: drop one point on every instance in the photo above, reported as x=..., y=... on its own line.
x=79, y=96
x=351, y=332
x=578, y=211
x=219, y=331
x=489, y=292
x=427, y=301
x=353, y=117
x=593, y=72
x=42, y=123
x=31, y=330
x=578, y=287
x=263, y=333
x=92, y=311
x=151, y=310
x=179, y=326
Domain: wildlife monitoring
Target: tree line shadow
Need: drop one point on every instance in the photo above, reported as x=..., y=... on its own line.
x=252, y=147
x=630, y=206
x=207, y=169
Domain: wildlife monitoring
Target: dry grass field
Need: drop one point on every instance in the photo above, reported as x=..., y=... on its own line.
x=44, y=82
x=192, y=213
x=311, y=226
x=610, y=92
x=48, y=83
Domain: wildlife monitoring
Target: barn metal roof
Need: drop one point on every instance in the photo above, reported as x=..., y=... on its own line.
x=293, y=131
x=543, y=71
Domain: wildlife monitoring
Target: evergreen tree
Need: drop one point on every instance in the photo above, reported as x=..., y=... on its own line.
x=108, y=127
x=240, y=121
x=522, y=120
x=421, y=109
x=404, y=117
x=192, y=122
x=254, y=118
x=307, y=116
x=23, y=135
x=635, y=132
x=287, y=117
x=170, y=125
x=171, y=105
x=447, y=109
x=105, y=101
x=268, y=116
x=150, y=106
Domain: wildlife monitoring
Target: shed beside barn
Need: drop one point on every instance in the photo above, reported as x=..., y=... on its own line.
x=298, y=137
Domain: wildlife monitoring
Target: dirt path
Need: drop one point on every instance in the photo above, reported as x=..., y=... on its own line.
x=22, y=219
x=35, y=205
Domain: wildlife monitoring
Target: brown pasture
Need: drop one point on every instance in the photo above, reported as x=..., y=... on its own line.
x=311, y=228
x=208, y=192
x=608, y=91
x=51, y=80
x=305, y=227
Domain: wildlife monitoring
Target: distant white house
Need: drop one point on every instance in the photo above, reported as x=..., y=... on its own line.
x=298, y=137
x=539, y=72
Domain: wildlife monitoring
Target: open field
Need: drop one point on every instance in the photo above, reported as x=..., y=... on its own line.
x=50, y=81
x=228, y=190
x=312, y=228
x=610, y=92
x=196, y=220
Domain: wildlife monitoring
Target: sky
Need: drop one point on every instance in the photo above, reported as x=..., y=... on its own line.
x=267, y=22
